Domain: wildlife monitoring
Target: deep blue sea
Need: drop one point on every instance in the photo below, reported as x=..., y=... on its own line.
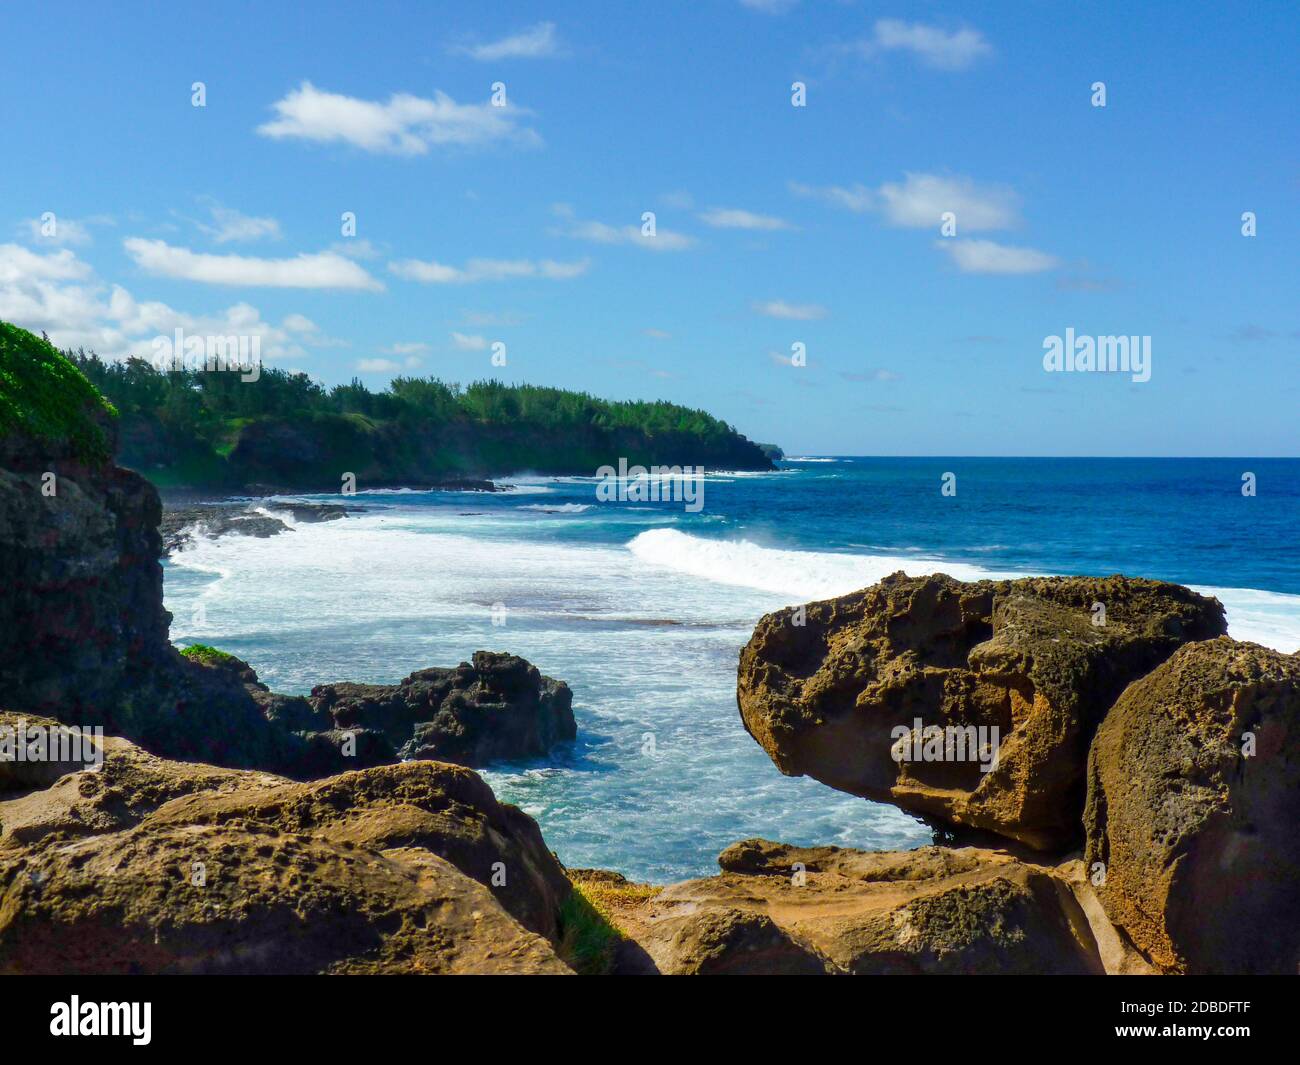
x=643, y=607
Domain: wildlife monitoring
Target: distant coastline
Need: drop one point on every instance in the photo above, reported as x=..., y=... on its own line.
x=283, y=432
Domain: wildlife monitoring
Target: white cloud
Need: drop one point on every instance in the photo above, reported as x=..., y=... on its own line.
x=989, y=257
x=109, y=320
x=857, y=198
x=435, y=273
x=657, y=334
x=466, y=342
x=922, y=198
x=871, y=375
x=540, y=42
x=57, y=231
x=411, y=347
x=229, y=224
x=935, y=47
x=920, y=201
x=405, y=125
x=18, y=263
x=735, y=218
x=603, y=233
x=769, y=7
x=378, y=366
x=321, y=270
x=59, y=295
x=801, y=312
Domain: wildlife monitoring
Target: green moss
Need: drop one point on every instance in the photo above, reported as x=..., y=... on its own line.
x=208, y=656
x=45, y=396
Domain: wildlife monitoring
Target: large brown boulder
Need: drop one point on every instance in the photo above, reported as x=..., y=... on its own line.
x=1193, y=808
x=835, y=690
x=776, y=908
x=148, y=865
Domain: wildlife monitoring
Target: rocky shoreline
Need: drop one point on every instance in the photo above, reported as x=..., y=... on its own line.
x=1113, y=780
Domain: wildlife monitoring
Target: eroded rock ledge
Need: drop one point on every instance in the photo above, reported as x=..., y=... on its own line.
x=1027, y=657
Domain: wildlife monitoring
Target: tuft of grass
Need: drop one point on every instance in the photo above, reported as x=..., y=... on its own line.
x=45, y=396
x=208, y=656
x=589, y=929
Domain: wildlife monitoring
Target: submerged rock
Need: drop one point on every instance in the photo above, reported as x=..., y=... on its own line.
x=151, y=866
x=1193, y=804
x=1024, y=669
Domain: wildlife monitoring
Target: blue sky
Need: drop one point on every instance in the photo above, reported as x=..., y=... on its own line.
x=775, y=224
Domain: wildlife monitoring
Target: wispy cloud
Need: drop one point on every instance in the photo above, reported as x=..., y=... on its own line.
x=855, y=197
x=735, y=218
x=769, y=7
x=880, y=375
x=989, y=257
x=327, y=270
x=920, y=201
x=603, y=233
x=404, y=125
x=540, y=42
x=933, y=46
x=378, y=366
x=231, y=225
x=800, y=312
x=435, y=273
x=469, y=341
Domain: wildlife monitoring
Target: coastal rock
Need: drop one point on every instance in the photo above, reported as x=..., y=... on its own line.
x=1193, y=803
x=497, y=707
x=183, y=521
x=727, y=941
x=830, y=690
x=839, y=911
x=150, y=866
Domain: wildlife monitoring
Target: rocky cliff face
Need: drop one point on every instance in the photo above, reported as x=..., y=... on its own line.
x=85, y=640
x=83, y=587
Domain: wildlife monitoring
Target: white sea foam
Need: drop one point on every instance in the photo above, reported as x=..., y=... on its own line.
x=646, y=634
x=800, y=575
x=1268, y=618
x=557, y=508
